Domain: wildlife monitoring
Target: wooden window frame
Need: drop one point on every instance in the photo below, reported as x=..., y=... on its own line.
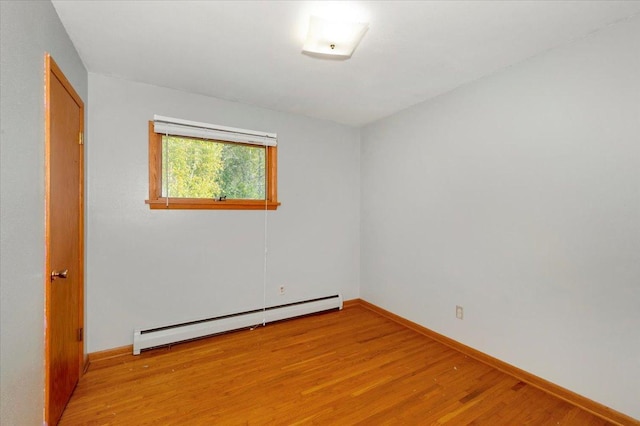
x=157, y=201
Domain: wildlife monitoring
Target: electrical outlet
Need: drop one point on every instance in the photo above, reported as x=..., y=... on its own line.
x=281, y=289
x=459, y=312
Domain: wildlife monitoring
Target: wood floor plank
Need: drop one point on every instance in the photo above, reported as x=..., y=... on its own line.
x=348, y=367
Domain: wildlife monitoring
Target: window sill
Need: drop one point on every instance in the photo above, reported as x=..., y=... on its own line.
x=200, y=204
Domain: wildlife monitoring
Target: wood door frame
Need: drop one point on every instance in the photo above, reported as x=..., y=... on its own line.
x=52, y=69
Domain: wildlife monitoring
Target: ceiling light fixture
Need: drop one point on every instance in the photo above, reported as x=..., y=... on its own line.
x=333, y=39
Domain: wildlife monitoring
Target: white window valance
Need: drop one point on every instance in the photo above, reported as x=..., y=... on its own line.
x=195, y=129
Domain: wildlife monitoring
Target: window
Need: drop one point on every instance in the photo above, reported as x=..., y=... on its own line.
x=191, y=172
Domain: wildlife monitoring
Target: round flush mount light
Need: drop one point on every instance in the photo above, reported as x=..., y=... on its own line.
x=333, y=39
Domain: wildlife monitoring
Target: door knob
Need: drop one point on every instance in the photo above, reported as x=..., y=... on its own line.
x=59, y=274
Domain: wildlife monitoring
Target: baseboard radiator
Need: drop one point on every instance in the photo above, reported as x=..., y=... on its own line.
x=166, y=335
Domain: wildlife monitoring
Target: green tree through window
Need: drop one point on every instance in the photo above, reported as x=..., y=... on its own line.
x=194, y=168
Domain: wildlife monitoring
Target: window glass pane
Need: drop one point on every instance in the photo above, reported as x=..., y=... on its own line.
x=193, y=168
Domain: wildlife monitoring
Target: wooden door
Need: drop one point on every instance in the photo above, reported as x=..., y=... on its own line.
x=64, y=241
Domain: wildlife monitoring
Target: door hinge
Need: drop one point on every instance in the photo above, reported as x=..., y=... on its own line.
x=80, y=139
x=80, y=334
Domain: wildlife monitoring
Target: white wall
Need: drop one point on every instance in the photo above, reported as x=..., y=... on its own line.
x=28, y=29
x=518, y=197
x=153, y=267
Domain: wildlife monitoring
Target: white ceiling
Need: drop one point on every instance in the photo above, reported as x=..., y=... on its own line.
x=250, y=51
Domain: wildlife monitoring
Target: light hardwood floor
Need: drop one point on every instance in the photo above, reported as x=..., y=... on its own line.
x=340, y=368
